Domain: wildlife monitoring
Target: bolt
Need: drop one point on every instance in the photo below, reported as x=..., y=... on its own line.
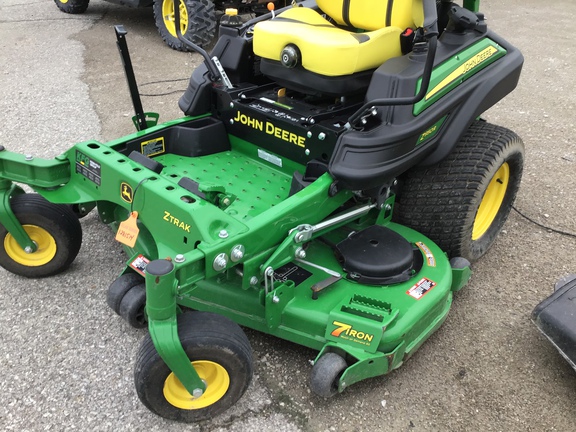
x=226, y=202
x=298, y=237
x=269, y=272
x=197, y=393
x=307, y=152
x=231, y=121
x=179, y=258
x=28, y=250
x=231, y=104
x=253, y=280
x=321, y=136
x=387, y=207
x=275, y=299
x=312, y=121
x=220, y=262
x=309, y=134
x=223, y=234
x=300, y=253
x=29, y=157
x=237, y=253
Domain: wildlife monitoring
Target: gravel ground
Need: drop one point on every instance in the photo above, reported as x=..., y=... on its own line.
x=66, y=359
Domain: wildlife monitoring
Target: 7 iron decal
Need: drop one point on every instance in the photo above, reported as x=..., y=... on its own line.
x=346, y=331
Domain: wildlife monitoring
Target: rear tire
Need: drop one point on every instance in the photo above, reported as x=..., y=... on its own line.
x=72, y=6
x=197, y=22
x=462, y=202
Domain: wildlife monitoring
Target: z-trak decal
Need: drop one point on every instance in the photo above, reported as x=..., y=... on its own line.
x=175, y=221
x=270, y=129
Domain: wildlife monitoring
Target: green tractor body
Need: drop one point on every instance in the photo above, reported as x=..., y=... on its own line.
x=291, y=212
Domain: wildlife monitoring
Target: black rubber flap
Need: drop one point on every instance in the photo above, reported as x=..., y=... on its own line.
x=377, y=255
x=556, y=318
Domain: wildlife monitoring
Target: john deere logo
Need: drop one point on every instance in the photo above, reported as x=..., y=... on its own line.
x=126, y=192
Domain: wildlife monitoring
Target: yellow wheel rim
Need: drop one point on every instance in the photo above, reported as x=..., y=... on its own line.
x=491, y=201
x=168, y=15
x=217, y=382
x=45, y=243
x=63, y=1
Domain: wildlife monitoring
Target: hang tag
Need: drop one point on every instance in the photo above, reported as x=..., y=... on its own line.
x=128, y=230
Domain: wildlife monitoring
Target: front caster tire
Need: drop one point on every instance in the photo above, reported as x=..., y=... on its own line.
x=53, y=227
x=197, y=22
x=462, y=202
x=132, y=307
x=118, y=289
x=325, y=374
x=72, y=6
x=221, y=354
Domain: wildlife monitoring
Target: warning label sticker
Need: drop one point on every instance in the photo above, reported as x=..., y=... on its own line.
x=89, y=168
x=139, y=264
x=429, y=255
x=153, y=147
x=421, y=288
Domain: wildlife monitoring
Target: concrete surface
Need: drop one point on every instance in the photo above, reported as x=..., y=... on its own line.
x=66, y=359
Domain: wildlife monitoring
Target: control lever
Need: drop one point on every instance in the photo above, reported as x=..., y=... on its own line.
x=216, y=70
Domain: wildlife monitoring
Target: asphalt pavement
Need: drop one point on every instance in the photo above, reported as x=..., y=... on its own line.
x=66, y=359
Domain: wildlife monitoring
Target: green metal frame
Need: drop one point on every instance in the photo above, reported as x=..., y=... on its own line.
x=257, y=229
x=219, y=253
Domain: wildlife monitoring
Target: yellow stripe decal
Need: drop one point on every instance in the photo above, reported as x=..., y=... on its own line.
x=466, y=67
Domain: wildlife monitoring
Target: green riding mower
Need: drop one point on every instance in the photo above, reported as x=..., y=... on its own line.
x=198, y=18
x=330, y=184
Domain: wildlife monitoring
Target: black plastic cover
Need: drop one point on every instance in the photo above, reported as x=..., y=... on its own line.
x=556, y=318
x=377, y=256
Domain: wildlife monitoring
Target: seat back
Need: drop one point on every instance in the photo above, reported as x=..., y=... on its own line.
x=374, y=14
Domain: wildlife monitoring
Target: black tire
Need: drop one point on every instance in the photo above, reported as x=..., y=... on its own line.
x=118, y=289
x=206, y=337
x=442, y=201
x=201, y=17
x=72, y=6
x=53, y=227
x=325, y=374
x=132, y=307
